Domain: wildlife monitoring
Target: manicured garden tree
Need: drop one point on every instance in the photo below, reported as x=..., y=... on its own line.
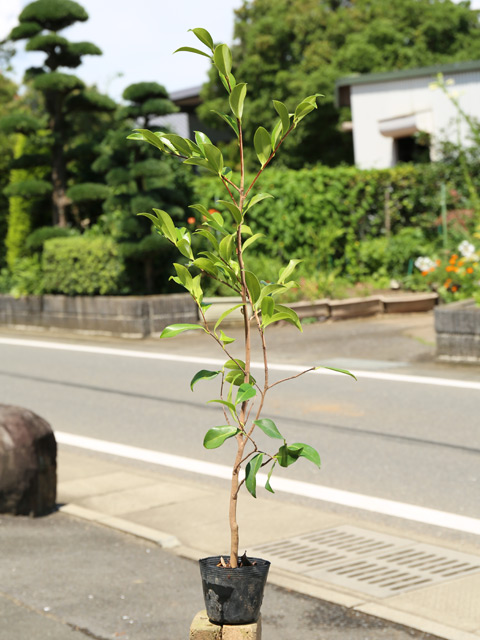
x=39, y=24
x=138, y=179
x=27, y=174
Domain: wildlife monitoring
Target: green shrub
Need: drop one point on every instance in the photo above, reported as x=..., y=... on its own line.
x=24, y=279
x=83, y=266
x=35, y=241
x=357, y=223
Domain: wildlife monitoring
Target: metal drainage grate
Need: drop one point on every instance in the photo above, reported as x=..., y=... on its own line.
x=372, y=563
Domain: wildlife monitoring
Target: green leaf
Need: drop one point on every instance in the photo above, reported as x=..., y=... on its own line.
x=174, y=329
x=269, y=428
x=245, y=392
x=267, y=307
x=305, y=107
x=206, y=265
x=216, y=436
x=193, y=50
x=225, y=248
x=263, y=145
x=276, y=134
x=270, y=290
x=282, y=111
x=251, y=240
x=237, y=98
x=181, y=145
x=234, y=364
x=214, y=157
x=204, y=374
x=225, y=339
x=202, y=139
x=209, y=236
x=348, y=373
x=284, y=313
x=256, y=199
x=267, y=483
x=204, y=37
x=287, y=271
x=287, y=456
x=150, y=137
x=222, y=57
x=225, y=403
x=234, y=210
x=251, y=471
x=235, y=377
x=253, y=285
x=201, y=162
x=184, y=275
x=306, y=451
x=221, y=319
x=228, y=119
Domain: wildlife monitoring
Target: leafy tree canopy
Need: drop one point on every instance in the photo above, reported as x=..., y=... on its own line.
x=53, y=14
x=300, y=47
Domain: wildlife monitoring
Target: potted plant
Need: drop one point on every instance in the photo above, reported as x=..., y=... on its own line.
x=233, y=586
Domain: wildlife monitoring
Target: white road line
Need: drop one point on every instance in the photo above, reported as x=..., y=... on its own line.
x=289, y=368
x=294, y=487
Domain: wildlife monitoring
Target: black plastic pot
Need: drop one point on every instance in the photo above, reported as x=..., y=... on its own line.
x=233, y=596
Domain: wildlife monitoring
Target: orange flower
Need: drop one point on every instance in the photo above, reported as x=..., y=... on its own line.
x=461, y=263
x=447, y=283
x=213, y=211
x=450, y=268
x=454, y=288
x=438, y=262
x=469, y=269
x=191, y=220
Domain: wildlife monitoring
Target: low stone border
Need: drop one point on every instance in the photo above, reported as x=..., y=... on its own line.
x=125, y=316
x=142, y=316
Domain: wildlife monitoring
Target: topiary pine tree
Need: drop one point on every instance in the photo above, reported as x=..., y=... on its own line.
x=39, y=23
x=138, y=181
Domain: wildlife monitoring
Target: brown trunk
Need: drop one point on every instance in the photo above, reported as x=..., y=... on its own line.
x=233, y=504
x=59, y=198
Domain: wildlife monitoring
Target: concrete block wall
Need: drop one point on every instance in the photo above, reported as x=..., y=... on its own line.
x=125, y=316
x=457, y=328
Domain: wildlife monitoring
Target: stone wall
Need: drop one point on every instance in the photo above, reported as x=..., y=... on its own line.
x=128, y=316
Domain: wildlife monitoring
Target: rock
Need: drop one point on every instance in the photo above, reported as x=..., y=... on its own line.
x=28, y=463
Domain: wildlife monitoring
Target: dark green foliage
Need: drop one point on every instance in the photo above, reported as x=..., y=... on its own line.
x=53, y=15
x=19, y=123
x=90, y=100
x=47, y=43
x=57, y=82
x=141, y=91
x=28, y=188
x=82, y=266
x=301, y=47
x=30, y=160
x=25, y=30
x=35, y=241
x=88, y=191
x=357, y=222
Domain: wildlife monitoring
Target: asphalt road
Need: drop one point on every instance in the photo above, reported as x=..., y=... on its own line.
x=400, y=440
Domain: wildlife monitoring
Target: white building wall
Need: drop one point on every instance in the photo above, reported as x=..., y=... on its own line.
x=376, y=102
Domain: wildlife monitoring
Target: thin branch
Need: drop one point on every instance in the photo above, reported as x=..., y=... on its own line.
x=292, y=377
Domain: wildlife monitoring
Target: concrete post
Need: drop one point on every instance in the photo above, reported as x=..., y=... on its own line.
x=202, y=629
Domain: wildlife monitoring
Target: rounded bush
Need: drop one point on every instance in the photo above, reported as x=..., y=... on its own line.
x=56, y=81
x=19, y=123
x=141, y=91
x=53, y=14
x=88, y=191
x=31, y=188
x=90, y=100
x=24, y=30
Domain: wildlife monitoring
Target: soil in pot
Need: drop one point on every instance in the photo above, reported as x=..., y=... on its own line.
x=233, y=596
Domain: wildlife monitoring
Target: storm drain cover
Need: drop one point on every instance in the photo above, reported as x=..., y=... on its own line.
x=366, y=561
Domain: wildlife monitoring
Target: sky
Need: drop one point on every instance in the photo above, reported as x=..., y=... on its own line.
x=138, y=38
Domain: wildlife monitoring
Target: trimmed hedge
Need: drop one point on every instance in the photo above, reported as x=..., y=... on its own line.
x=82, y=266
x=355, y=221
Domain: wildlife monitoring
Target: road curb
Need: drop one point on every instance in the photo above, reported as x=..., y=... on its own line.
x=164, y=540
